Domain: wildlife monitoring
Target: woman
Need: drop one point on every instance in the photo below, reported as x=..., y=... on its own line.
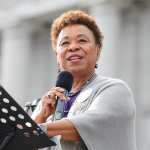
x=101, y=111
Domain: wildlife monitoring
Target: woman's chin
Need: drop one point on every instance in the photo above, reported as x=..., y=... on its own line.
x=78, y=70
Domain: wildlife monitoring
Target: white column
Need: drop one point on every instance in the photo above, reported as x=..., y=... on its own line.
x=29, y=67
x=144, y=80
x=108, y=17
x=16, y=61
x=43, y=63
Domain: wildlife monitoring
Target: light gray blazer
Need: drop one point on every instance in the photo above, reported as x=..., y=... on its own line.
x=104, y=116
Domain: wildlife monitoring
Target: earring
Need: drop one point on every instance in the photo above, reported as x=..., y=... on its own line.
x=58, y=68
x=96, y=66
x=58, y=71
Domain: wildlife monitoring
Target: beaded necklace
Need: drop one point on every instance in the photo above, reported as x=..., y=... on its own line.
x=73, y=96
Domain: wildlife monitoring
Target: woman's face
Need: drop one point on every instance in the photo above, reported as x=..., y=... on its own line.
x=76, y=50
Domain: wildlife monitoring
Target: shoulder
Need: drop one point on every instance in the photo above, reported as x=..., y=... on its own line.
x=102, y=83
x=113, y=92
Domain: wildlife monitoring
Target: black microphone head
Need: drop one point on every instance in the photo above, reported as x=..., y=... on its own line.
x=65, y=80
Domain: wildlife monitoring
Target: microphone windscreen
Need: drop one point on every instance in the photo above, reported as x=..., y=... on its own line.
x=65, y=80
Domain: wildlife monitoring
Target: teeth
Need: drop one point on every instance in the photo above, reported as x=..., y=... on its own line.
x=74, y=57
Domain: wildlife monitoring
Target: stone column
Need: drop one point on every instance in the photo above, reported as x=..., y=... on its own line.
x=29, y=67
x=144, y=80
x=108, y=17
x=16, y=47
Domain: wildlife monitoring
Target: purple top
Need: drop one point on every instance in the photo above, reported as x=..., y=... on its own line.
x=69, y=103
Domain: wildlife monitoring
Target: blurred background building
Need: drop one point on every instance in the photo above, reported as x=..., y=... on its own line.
x=27, y=64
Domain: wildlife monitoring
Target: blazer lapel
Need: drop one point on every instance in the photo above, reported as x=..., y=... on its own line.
x=81, y=101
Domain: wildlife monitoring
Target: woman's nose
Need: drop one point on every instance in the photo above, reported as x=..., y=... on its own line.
x=74, y=46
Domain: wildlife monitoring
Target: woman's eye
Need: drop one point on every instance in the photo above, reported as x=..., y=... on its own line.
x=64, y=43
x=82, y=41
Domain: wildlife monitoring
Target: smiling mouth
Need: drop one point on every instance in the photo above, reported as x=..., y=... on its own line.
x=74, y=58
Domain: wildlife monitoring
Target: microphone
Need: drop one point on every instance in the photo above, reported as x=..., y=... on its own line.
x=64, y=80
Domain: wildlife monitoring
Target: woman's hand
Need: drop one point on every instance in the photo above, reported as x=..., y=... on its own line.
x=48, y=103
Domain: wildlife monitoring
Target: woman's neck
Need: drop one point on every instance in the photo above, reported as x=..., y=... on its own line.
x=79, y=81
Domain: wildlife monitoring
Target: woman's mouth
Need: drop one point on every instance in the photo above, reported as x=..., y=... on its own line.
x=74, y=58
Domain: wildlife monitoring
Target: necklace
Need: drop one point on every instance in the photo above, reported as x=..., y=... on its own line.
x=92, y=77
